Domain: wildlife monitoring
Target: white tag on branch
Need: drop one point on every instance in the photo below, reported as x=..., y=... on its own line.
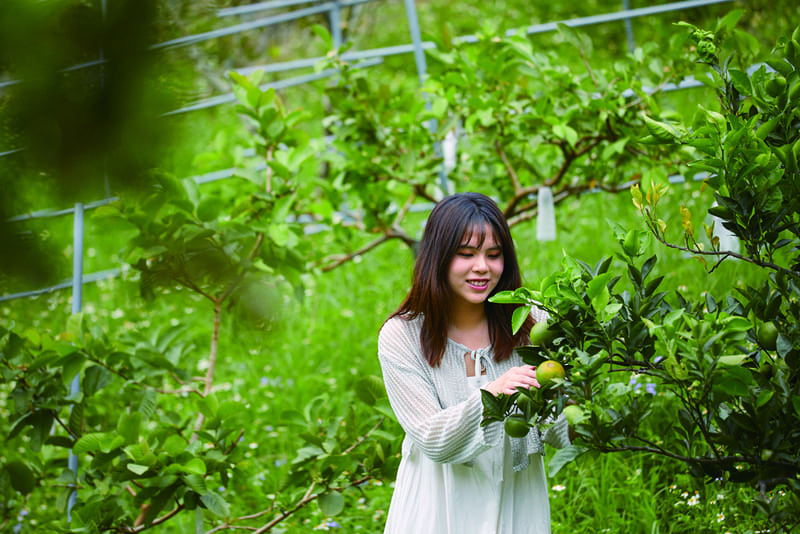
x=449, y=151
x=546, y=219
x=727, y=240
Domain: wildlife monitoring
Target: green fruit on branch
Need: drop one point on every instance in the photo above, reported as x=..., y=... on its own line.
x=516, y=426
x=541, y=334
x=776, y=86
x=574, y=414
x=548, y=371
x=768, y=335
x=523, y=401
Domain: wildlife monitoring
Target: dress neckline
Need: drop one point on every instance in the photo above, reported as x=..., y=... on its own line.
x=488, y=348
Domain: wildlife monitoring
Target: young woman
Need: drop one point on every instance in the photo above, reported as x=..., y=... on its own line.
x=444, y=344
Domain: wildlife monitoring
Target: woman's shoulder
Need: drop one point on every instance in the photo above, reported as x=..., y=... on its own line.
x=539, y=315
x=401, y=326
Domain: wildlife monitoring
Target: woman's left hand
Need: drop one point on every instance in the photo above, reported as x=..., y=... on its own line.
x=523, y=376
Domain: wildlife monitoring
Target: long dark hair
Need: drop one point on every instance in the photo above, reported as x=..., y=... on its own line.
x=453, y=220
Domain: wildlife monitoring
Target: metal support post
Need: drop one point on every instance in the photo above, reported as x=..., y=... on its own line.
x=629, y=27
x=77, y=301
x=335, y=15
x=422, y=72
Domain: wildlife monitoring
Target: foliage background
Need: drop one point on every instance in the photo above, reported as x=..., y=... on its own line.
x=318, y=337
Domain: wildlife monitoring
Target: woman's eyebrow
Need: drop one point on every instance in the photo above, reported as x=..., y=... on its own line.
x=473, y=247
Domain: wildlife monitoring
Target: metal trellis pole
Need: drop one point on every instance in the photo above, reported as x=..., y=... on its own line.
x=77, y=301
x=629, y=27
x=422, y=72
x=335, y=15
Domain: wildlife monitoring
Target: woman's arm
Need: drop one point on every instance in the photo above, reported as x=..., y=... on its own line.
x=451, y=435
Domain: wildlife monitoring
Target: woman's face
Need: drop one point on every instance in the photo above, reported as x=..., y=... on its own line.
x=475, y=270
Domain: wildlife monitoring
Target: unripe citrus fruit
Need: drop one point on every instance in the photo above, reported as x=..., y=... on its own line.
x=776, y=86
x=541, y=334
x=516, y=426
x=574, y=414
x=523, y=401
x=548, y=371
x=768, y=335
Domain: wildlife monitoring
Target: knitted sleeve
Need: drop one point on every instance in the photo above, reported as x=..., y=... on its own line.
x=445, y=435
x=557, y=436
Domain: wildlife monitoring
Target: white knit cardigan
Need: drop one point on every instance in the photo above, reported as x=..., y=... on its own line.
x=438, y=410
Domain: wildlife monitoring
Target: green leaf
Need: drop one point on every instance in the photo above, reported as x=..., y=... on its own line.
x=519, y=317
x=323, y=33
x=613, y=149
x=196, y=482
x=304, y=453
x=783, y=345
x=733, y=381
x=662, y=132
x=42, y=423
x=148, y=404
x=597, y=284
x=171, y=185
x=369, y=389
x=729, y=21
x=195, y=466
x=490, y=403
x=95, y=378
x=741, y=81
x=280, y=169
x=600, y=301
x=280, y=234
x=216, y=504
x=91, y=443
x=732, y=360
x=71, y=365
x=764, y=397
x=22, y=477
x=576, y=38
x=562, y=457
x=209, y=405
x=331, y=504
x=128, y=426
x=507, y=297
x=75, y=325
x=136, y=468
x=62, y=499
x=564, y=131
x=158, y=502
x=209, y=208
x=75, y=424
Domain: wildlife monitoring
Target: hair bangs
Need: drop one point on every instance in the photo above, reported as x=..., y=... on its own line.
x=476, y=226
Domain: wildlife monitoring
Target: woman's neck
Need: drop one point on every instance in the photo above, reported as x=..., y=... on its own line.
x=469, y=324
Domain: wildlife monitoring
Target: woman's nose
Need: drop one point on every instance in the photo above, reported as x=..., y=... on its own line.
x=480, y=264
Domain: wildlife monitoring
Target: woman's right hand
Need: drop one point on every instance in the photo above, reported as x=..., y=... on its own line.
x=522, y=376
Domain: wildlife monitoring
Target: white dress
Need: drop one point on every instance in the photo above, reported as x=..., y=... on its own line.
x=449, y=483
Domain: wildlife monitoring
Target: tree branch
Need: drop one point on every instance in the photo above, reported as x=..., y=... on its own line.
x=155, y=522
x=394, y=233
x=307, y=498
x=212, y=362
x=725, y=254
x=511, y=172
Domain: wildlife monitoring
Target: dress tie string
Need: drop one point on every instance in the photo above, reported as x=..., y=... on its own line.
x=478, y=356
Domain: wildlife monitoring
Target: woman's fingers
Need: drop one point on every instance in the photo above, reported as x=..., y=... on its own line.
x=523, y=376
